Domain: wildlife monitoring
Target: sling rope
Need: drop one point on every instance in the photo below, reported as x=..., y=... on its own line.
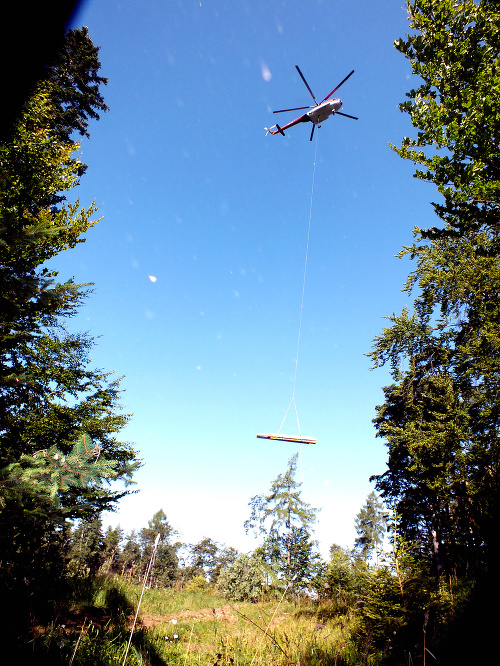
x=292, y=401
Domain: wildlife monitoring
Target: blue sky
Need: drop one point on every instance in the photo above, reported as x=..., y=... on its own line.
x=193, y=193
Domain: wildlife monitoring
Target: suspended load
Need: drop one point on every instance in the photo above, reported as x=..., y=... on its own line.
x=288, y=438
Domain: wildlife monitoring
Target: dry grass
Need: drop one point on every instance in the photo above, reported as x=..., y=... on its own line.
x=246, y=633
x=202, y=628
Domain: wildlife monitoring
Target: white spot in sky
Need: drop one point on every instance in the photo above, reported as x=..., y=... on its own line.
x=265, y=71
x=152, y=278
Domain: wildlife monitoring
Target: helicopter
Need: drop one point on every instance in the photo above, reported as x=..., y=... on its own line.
x=317, y=113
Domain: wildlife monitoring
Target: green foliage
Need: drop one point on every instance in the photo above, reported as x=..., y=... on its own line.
x=204, y=557
x=131, y=555
x=282, y=507
x=279, y=515
x=294, y=558
x=87, y=550
x=440, y=417
x=225, y=556
x=112, y=554
x=454, y=49
x=371, y=526
x=404, y=608
x=166, y=562
x=50, y=395
x=339, y=575
x=49, y=472
x=246, y=578
x=198, y=582
x=73, y=82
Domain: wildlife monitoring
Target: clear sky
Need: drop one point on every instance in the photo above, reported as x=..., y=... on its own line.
x=198, y=261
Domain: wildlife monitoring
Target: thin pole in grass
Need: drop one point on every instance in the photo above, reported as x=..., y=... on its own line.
x=77, y=643
x=270, y=621
x=146, y=578
x=189, y=643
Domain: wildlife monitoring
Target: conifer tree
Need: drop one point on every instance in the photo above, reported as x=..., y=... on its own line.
x=370, y=524
x=280, y=511
x=131, y=555
x=204, y=557
x=87, y=551
x=50, y=394
x=166, y=562
x=339, y=571
x=112, y=553
x=440, y=416
x=74, y=85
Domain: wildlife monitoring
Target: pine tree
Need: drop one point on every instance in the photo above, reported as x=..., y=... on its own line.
x=339, y=571
x=298, y=557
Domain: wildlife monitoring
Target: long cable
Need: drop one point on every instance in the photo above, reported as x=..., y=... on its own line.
x=292, y=401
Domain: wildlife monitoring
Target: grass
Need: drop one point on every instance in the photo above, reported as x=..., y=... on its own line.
x=187, y=628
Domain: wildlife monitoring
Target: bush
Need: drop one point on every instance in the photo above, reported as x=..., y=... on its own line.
x=244, y=580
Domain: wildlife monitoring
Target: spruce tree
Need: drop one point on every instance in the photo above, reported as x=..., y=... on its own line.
x=112, y=553
x=87, y=551
x=441, y=416
x=371, y=525
x=131, y=556
x=50, y=393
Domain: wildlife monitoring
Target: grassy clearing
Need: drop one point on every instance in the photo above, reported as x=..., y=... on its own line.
x=188, y=628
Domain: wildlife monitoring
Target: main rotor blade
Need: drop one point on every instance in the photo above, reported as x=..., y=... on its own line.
x=307, y=85
x=296, y=108
x=346, y=115
x=340, y=84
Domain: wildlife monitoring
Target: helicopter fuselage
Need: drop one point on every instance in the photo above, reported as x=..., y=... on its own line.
x=324, y=110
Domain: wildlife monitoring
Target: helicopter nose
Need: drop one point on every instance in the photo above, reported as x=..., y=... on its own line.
x=337, y=104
